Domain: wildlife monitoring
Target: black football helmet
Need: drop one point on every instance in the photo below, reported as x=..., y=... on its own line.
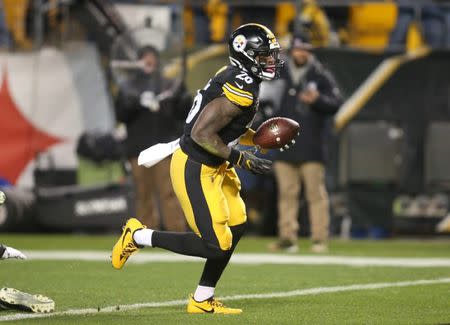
x=248, y=44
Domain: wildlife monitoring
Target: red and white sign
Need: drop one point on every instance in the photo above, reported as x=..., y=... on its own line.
x=39, y=112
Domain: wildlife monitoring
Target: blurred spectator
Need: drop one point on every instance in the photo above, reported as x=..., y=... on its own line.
x=209, y=22
x=4, y=34
x=217, y=12
x=152, y=109
x=15, y=15
x=285, y=13
x=432, y=20
x=189, y=25
x=315, y=20
x=310, y=95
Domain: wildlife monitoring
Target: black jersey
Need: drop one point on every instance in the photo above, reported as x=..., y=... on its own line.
x=242, y=90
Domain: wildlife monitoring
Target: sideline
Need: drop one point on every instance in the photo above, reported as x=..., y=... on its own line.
x=294, y=293
x=247, y=258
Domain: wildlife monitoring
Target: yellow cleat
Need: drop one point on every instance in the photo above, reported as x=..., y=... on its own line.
x=125, y=246
x=209, y=306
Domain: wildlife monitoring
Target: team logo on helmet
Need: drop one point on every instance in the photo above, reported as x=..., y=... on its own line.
x=239, y=43
x=273, y=43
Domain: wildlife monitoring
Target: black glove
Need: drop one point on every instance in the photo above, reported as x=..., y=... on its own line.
x=246, y=160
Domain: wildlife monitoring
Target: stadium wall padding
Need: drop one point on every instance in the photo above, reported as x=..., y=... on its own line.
x=415, y=97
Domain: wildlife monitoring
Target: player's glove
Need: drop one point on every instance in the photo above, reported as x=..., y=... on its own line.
x=246, y=160
x=9, y=252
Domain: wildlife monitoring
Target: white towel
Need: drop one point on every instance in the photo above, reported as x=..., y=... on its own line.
x=153, y=155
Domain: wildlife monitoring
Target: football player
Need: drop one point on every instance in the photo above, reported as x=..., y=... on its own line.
x=202, y=169
x=14, y=299
x=9, y=252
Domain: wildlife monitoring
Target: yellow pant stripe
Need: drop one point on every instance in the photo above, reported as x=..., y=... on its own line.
x=211, y=182
x=177, y=168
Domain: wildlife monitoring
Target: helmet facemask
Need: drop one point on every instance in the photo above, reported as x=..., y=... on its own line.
x=267, y=64
x=255, y=48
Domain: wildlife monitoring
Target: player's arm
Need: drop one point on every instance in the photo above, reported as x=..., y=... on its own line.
x=247, y=138
x=213, y=118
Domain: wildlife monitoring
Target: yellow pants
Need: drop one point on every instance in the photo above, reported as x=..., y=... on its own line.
x=209, y=197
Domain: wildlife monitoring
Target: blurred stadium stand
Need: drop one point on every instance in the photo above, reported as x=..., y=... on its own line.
x=395, y=148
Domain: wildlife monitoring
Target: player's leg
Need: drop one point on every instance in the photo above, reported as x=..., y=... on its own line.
x=203, y=199
x=214, y=267
x=198, y=188
x=172, y=215
x=313, y=175
x=204, y=242
x=288, y=182
x=222, y=187
x=203, y=298
x=237, y=222
x=207, y=212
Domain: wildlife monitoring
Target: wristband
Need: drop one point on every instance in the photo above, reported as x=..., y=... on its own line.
x=235, y=157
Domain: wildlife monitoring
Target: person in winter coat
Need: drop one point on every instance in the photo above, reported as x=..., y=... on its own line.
x=153, y=109
x=309, y=96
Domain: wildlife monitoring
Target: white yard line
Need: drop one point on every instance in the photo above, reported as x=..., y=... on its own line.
x=283, y=294
x=247, y=258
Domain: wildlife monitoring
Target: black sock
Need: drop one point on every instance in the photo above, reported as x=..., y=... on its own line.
x=187, y=243
x=214, y=267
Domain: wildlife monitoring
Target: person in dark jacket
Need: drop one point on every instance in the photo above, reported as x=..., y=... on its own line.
x=153, y=109
x=309, y=96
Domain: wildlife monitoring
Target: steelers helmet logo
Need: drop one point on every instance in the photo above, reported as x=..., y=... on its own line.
x=273, y=43
x=239, y=43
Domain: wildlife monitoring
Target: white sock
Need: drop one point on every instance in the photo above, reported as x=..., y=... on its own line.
x=143, y=237
x=202, y=293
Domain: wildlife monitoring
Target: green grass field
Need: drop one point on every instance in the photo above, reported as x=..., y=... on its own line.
x=76, y=284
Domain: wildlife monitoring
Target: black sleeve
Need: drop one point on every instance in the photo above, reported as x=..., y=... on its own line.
x=330, y=98
x=2, y=250
x=126, y=105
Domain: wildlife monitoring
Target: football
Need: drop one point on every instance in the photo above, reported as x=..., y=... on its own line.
x=276, y=132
